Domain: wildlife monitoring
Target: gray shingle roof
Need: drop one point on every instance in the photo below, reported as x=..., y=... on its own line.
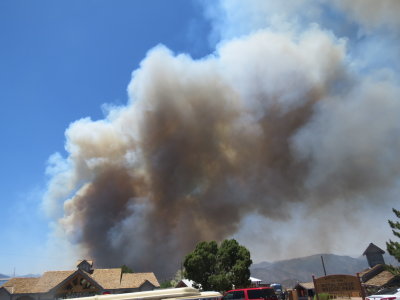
x=372, y=248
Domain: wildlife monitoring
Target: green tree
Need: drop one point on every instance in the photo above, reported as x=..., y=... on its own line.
x=166, y=284
x=218, y=268
x=394, y=247
x=200, y=264
x=126, y=269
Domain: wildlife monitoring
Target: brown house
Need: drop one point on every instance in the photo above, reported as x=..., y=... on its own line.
x=85, y=281
x=304, y=290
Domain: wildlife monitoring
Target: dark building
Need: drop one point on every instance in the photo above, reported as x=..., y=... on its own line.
x=374, y=255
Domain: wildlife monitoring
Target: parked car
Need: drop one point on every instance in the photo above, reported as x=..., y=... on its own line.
x=386, y=294
x=280, y=293
x=266, y=293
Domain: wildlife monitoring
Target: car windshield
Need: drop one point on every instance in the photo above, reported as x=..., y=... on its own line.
x=277, y=287
x=262, y=293
x=388, y=291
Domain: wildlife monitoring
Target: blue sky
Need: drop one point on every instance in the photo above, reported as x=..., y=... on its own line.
x=65, y=60
x=61, y=61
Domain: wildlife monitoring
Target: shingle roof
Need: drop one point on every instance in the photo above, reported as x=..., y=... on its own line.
x=381, y=279
x=306, y=285
x=20, y=285
x=376, y=268
x=108, y=279
x=51, y=279
x=372, y=248
x=136, y=280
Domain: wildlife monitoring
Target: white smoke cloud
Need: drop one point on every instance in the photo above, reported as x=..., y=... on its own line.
x=311, y=62
x=372, y=14
x=278, y=119
x=237, y=18
x=233, y=18
x=353, y=138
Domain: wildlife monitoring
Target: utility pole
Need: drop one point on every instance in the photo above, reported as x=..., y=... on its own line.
x=323, y=264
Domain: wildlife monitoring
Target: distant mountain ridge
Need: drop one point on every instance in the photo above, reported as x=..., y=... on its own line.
x=289, y=272
x=25, y=275
x=3, y=279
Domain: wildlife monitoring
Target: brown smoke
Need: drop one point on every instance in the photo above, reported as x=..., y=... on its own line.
x=255, y=128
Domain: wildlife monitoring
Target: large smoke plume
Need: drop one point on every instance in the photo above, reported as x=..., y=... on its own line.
x=270, y=121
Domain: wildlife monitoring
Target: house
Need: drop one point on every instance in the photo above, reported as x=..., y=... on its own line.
x=185, y=283
x=304, y=290
x=378, y=275
x=82, y=282
x=188, y=283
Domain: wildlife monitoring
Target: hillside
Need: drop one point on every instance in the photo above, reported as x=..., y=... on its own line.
x=289, y=272
x=3, y=276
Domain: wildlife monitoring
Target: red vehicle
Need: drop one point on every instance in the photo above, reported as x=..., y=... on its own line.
x=266, y=293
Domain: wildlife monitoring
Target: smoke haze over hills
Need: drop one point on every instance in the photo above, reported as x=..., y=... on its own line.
x=301, y=269
x=284, y=136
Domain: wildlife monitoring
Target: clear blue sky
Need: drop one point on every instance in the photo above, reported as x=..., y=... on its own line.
x=59, y=62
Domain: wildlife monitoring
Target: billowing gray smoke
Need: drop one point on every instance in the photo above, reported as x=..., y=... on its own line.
x=269, y=120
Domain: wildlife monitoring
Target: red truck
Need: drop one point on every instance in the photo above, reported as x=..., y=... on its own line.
x=265, y=293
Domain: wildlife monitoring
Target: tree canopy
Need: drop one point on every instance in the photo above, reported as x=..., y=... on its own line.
x=394, y=247
x=126, y=269
x=218, y=268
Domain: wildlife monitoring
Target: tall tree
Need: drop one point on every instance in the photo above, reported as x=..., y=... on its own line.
x=394, y=247
x=200, y=264
x=219, y=268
